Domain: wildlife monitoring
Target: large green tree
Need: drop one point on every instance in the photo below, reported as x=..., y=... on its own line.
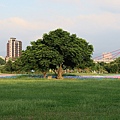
x=57, y=49
x=73, y=50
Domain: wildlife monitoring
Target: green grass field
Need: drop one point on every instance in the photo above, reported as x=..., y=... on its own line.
x=42, y=99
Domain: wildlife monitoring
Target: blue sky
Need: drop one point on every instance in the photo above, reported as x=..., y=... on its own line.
x=97, y=21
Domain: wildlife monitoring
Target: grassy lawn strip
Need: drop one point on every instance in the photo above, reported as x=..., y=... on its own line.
x=42, y=99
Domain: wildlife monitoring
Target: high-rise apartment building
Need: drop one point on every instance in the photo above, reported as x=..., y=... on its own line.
x=14, y=48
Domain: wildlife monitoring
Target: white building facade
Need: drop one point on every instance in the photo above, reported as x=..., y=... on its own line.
x=14, y=49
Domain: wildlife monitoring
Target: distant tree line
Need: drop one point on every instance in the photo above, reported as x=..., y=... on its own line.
x=98, y=68
x=112, y=67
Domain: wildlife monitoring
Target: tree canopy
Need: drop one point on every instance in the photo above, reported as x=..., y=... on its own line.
x=57, y=49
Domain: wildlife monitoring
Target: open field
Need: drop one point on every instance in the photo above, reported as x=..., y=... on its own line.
x=42, y=99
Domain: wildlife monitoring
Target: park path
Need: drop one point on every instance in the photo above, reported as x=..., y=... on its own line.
x=5, y=75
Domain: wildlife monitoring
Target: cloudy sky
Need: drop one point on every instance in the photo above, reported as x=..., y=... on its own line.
x=97, y=21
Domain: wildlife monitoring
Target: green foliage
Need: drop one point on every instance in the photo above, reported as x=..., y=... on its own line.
x=74, y=51
x=8, y=66
x=1, y=68
x=100, y=67
x=2, y=62
x=113, y=67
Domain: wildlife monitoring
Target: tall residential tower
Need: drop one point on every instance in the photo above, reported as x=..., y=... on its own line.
x=14, y=49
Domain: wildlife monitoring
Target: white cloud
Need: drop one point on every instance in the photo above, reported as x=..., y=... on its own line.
x=67, y=1
x=100, y=22
x=2, y=5
x=15, y=22
x=86, y=23
x=91, y=24
x=107, y=4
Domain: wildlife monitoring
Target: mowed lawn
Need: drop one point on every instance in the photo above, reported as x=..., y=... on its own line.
x=42, y=99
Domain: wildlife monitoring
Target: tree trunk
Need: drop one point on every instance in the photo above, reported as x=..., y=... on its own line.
x=44, y=74
x=59, y=76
